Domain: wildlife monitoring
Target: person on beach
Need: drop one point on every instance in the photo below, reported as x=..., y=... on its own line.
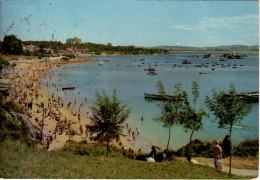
x=50, y=135
x=79, y=117
x=217, y=150
x=81, y=129
x=138, y=131
x=129, y=131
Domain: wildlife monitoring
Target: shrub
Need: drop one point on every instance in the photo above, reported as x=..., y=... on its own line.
x=14, y=107
x=204, y=149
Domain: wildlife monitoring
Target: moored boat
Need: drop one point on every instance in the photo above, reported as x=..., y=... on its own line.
x=206, y=72
x=248, y=96
x=161, y=97
x=68, y=88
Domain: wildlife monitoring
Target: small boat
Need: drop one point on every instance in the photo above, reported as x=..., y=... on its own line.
x=198, y=65
x=68, y=88
x=251, y=96
x=101, y=64
x=247, y=96
x=206, y=72
x=161, y=97
x=150, y=68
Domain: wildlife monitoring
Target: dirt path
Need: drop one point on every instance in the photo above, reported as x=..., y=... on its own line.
x=241, y=172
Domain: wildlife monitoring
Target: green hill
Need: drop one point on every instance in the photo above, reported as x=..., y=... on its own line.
x=20, y=161
x=218, y=48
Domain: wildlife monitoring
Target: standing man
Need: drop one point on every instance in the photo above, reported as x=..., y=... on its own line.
x=227, y=146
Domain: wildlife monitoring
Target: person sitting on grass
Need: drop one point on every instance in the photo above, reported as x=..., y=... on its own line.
x=152, y=154
x=164, y=156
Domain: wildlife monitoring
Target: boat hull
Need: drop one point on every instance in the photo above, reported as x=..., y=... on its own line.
x=161, y=97
x=68, y=88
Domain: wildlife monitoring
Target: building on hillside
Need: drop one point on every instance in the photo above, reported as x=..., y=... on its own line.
x=31, y=48
x=65, y=51
x=24, y=47
x=83, y=51
x=48, y=50
x=75, y=40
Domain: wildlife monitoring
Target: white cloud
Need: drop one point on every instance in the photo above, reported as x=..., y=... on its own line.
x=182, y=27
x=220, y=22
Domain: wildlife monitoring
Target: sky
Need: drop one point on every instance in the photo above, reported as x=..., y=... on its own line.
x=139, y=23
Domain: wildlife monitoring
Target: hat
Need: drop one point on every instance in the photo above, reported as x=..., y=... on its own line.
x=217, y=141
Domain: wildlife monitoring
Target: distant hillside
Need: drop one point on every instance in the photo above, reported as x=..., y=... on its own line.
x=218, y=48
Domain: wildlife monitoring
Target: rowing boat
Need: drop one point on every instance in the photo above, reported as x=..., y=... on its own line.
x=162, y=97
x=68, y=88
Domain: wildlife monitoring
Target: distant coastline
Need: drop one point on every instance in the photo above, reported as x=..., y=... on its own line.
x=200, y=51
x=180, y=51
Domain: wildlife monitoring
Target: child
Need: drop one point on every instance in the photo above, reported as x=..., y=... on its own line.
x=219, y=163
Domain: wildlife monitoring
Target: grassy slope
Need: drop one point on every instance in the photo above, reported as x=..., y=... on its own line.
x=19, y=161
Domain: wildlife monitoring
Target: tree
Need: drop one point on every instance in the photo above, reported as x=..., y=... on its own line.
x=108, y=117
x=229, y=108
x=170, y=109
x=12, y=45
x=68, y=130
x=191, y=116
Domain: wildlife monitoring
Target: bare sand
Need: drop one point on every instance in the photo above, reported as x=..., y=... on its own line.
x=26, y=87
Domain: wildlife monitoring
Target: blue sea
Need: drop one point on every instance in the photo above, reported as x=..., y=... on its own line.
x=127, y=75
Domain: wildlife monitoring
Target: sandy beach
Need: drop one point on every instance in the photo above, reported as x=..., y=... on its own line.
x=26, y=90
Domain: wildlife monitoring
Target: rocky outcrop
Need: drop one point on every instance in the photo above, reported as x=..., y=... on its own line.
x=186, y=62
x=22, y=117
x=209, y=56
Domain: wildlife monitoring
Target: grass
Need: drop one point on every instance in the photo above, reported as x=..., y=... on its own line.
x=19, y=161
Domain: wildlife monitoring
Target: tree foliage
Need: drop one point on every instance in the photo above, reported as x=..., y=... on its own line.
x=108, y=118
x=12, y=45
x=97, y=48
x=3, y=64
x=229, y=109
x=171, y=110
x=191, y=116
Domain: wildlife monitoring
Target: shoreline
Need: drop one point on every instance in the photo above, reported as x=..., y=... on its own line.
x=171, y=51
x=27, y=88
